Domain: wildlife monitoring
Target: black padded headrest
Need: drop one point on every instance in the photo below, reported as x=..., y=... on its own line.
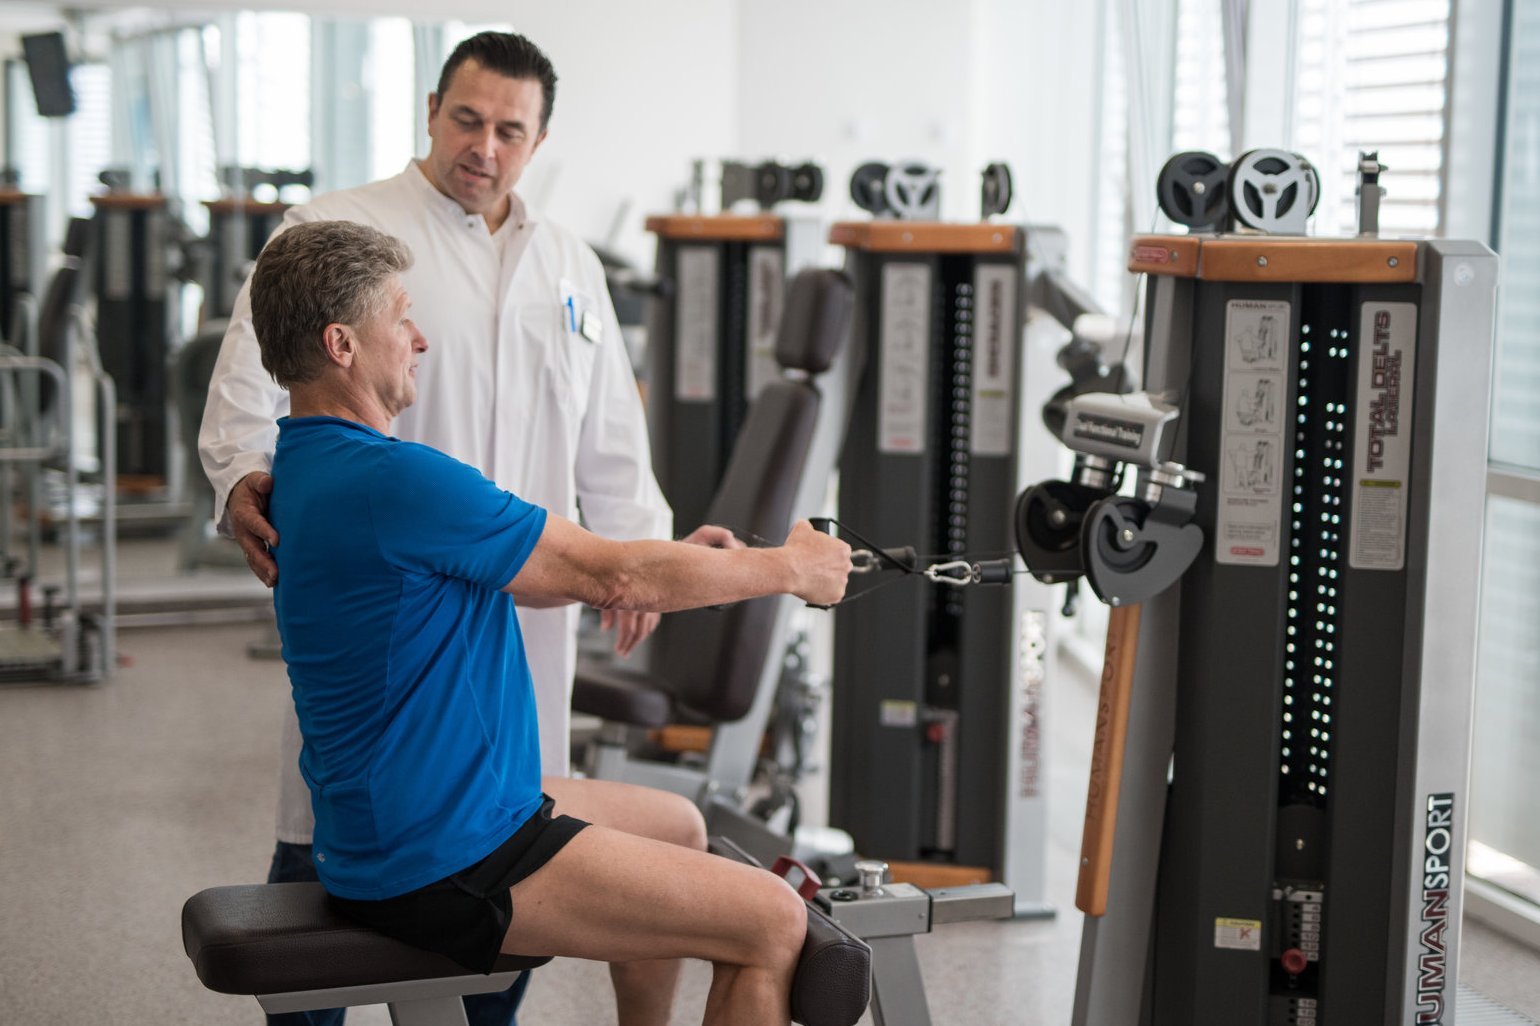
x=281, y=938
x=814, y=319
x=77, y=236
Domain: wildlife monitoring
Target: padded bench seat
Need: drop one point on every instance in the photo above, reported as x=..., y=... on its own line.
x=260, y=939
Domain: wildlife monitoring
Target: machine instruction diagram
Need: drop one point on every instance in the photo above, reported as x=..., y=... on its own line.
x=1248, y=528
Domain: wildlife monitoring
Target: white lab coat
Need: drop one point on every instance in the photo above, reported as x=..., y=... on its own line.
x=526, y=378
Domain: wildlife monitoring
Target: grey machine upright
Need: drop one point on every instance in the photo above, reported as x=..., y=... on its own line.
x=938, y=695
x=711, y=331
x=1277, y=819
x=135, y=314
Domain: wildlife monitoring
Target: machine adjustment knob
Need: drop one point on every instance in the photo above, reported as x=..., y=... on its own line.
x=1293, y=961
x=873, y=873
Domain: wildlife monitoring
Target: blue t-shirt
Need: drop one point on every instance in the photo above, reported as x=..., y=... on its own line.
x=421, y=748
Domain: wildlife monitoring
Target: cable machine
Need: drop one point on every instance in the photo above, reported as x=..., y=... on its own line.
x=938, y=701
x=1275, y=833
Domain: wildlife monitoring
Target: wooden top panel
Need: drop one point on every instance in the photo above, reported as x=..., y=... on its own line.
x=239, y=206
x=924, y=237
x=128, y=201
x=718, y=227
x=1270, y=258
x=11, y=196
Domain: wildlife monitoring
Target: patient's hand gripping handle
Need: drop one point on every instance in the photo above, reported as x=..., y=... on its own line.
x=1101, y=804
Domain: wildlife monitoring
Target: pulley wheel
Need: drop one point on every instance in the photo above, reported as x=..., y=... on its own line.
x=866, y=187
x=1048, y=520
x=913, y=191
x=1273, y=191
x=1191, y=190
x=807, y=183
x=1107, y=546
x=996, y=191
x=772, y=183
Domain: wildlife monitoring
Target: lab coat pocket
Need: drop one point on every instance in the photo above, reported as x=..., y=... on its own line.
x=577, y=340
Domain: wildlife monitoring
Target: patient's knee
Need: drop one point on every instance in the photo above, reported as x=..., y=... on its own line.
x=678, y=821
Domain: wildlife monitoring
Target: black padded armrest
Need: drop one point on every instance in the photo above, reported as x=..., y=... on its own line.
x=281, y=938
x=833, y=983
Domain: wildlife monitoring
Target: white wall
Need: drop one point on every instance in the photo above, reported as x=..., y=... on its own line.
x=956, y=85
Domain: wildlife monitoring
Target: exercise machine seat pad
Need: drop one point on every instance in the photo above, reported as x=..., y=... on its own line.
x=814, y=319
x=283, y=938
x=621, y=694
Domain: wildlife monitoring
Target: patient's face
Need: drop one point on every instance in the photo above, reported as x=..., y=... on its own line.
x=390, y=347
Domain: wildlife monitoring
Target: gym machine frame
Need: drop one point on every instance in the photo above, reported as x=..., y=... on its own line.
x=1308, y=681
x=711, y=340
x=937, y=761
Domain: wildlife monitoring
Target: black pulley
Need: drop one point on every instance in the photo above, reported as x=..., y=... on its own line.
x=1131, y=554
x=1049, y=516
x=1191, y=190
x=772, y=184
x=868, y=187
x=807, y=183
x=995, y=196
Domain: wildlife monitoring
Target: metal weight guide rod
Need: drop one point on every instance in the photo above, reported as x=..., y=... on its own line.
x=1305, y=677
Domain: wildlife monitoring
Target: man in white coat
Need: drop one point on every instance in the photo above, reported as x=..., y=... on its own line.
x=528, y=379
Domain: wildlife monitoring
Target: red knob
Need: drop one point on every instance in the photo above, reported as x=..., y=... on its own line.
x=1294, y=961
x=935, y=733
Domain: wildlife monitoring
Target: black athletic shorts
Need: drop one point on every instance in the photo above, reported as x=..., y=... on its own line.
x=465, y=915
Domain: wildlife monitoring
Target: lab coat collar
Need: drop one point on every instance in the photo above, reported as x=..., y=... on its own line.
x=518, y=213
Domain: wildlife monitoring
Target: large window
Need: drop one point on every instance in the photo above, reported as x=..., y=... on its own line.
x=1506, y=757
x=1371, y=76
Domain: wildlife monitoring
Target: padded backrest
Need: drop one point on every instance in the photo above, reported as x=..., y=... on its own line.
x=814, y=320
x=712, y=658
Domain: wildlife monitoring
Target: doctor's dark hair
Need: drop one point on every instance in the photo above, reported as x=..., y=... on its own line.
x=312, y=275
x=508, y=54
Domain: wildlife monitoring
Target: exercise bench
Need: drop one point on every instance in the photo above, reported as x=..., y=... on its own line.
x=285, y=945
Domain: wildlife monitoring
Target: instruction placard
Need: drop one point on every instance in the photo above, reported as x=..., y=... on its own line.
x=695, y=330
x=903, y=384
x=767, y=282
x=1251, y=485
x=1382, y=435
x=994, y=357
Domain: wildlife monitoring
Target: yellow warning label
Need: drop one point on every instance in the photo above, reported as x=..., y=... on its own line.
x=1238, y=934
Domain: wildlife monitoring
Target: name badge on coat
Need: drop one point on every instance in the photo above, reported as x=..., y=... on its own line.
x=580, y=313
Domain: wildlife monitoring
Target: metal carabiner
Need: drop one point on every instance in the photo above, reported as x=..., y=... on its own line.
x=957, y=573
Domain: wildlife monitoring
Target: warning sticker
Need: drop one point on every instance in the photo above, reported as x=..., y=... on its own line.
x=1247, y=531
x=1382, y=435
x=1238, y=934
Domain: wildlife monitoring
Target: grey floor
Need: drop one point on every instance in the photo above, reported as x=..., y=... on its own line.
x=117, y=801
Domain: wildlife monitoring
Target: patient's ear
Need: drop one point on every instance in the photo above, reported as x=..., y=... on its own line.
x=341, y=344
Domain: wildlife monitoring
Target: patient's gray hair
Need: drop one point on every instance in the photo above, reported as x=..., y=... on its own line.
x=314, y=274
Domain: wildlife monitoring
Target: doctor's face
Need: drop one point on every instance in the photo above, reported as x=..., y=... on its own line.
x=485, y=128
